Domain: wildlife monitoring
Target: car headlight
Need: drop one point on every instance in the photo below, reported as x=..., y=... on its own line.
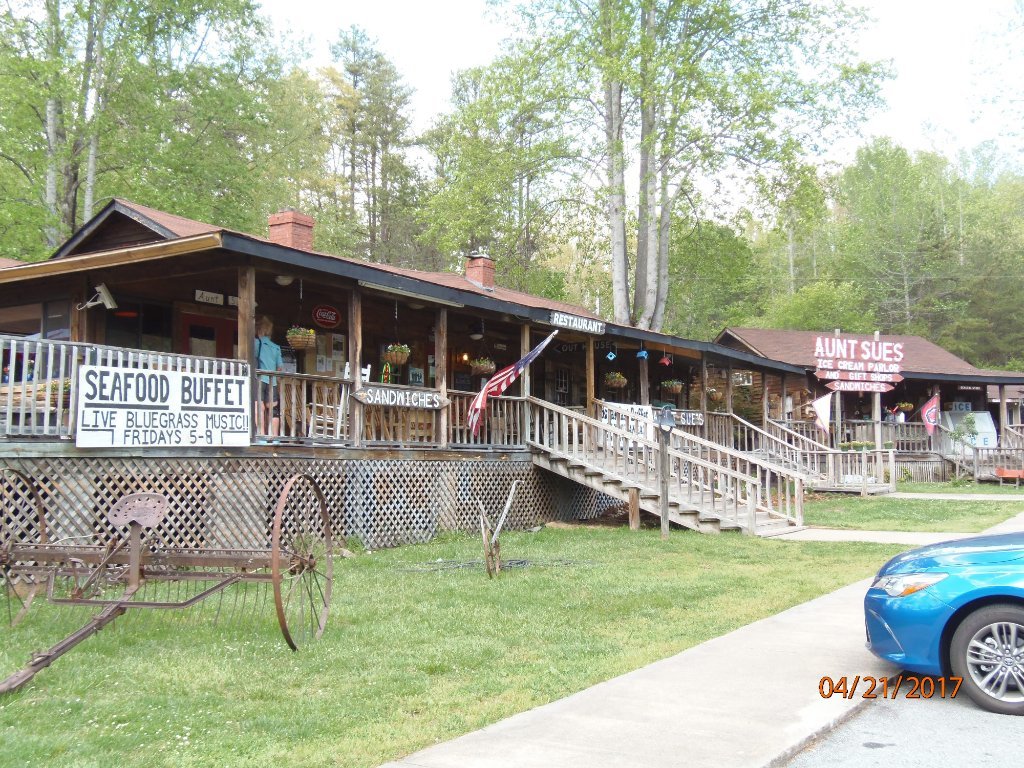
x=904, y=584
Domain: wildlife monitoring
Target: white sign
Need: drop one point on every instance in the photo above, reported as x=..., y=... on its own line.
x=837, y=353
x=133, y=408
x=577, y=323
x=209, y=297
x=401, y=398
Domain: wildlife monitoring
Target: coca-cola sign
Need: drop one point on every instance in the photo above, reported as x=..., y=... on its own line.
x=326, y=316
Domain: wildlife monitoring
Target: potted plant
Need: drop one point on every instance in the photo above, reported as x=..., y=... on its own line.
x=889, y=444
x=714, y=395
x=904, y=406
x=396, y=354
x=672, y=386
x=614, y=380
x=299, y=337
x=482, y=366
x=845, y=446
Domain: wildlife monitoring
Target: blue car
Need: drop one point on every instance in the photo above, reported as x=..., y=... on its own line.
x=956, y=609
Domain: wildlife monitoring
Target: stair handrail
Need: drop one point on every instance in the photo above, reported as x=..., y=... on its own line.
x=682, y=436
x=807, y=443
x=733, y=495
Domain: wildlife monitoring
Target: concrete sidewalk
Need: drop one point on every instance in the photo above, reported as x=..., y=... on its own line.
x=747, y=699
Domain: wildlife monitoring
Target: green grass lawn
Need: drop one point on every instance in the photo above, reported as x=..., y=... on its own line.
x=881, y=513
x=414, y=653
x=1008, y=489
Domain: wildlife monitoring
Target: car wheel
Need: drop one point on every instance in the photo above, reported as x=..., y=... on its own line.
x=987, y=651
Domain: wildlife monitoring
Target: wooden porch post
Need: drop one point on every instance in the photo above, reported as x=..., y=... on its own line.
x=441, y=372
x=356, y=422
x=728, y=388
x=246, y=320
x=1003, y=413
x=527, y=379
x=246, y=312
x=704, y=393
x=765, y=414
x=645, y=384
x=876, y=416
x=591, y=375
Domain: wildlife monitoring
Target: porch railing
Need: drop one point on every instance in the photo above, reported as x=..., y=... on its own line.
x=39, y=386
x=716, y=481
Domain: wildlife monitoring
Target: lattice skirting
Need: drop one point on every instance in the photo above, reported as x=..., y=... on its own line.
x=220, y=502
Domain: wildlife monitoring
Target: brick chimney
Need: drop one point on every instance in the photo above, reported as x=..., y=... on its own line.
x=292, y=228
x=480, y=270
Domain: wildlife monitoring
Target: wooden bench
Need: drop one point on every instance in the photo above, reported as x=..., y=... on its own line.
x=1005, y=473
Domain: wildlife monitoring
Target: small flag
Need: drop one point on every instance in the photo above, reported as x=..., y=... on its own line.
x=930, y=414
x=501, y=381
x=823, y=412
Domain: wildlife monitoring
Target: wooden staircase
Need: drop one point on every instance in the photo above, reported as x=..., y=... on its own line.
x=710, y=489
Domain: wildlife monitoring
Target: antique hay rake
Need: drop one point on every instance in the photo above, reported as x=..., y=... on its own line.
x=125, y=565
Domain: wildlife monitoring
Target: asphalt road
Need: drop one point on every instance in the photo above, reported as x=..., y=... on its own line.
x=919, y=733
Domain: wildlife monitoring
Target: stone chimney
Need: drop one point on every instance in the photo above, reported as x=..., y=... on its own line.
x=292, y=228
x=480, y=270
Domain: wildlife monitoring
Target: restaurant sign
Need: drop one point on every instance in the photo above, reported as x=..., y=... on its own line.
x=401, y=398
x=577, y=323
x=858, y=365
x=132, y=408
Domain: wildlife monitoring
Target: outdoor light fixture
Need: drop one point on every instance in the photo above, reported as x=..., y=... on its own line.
x=284, y=280
x=478, y=332
x=102, y=296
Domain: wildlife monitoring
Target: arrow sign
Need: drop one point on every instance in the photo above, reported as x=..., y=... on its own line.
x=892, y=378
x=859, y=386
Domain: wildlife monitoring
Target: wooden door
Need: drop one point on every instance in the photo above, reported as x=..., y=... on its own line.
x=207, y=335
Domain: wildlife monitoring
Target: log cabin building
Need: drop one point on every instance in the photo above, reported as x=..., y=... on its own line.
x=144, y=297
x=387, y=436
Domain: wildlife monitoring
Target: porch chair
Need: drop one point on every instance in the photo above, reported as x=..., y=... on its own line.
x=327, y=417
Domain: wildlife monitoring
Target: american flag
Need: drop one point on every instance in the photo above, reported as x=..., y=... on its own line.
x=501, y=381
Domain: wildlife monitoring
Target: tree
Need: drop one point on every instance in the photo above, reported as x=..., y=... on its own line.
x=370, y=137
x=493, y=159
x=170, y=102
x=691, y=90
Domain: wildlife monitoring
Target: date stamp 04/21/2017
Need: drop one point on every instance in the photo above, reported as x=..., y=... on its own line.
x=868, y=687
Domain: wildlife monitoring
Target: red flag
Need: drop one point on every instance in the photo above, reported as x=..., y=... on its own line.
x=930, y=414
x=499, y=382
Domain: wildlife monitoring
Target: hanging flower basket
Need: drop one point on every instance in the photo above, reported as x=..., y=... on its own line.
x=396, y=354
x=300, y=338
x=715, y=396
x=672, y=386
x=482, y=366
x=615, y=380
x=905, y=407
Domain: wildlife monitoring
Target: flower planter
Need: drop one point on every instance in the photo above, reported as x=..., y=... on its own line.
x=482, y=367
x=716, y=397
x=301, y=338
x=672, y=389
x=396, y=356
x=615, y=382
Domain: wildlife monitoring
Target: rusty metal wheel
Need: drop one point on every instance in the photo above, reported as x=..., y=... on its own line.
x=22, y=521
x=302, y=561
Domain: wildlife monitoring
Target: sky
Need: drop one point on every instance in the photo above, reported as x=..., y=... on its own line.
x=953, y=59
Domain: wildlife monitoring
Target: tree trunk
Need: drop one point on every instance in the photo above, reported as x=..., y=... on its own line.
x=645, y=301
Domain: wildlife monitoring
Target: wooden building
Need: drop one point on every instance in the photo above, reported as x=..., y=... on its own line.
x=387, y=435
